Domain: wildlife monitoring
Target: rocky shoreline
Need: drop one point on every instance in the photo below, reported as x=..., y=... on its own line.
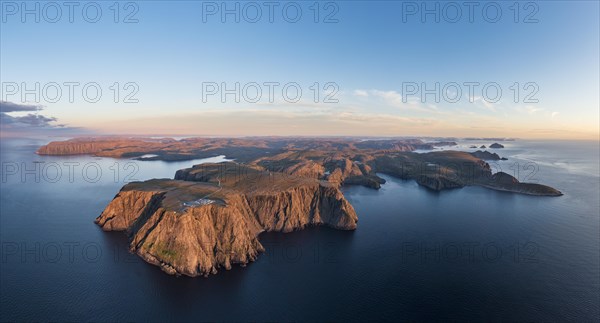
x=210, y=215
x=198, y=240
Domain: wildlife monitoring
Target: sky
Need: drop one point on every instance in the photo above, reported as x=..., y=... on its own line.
x=363, y=68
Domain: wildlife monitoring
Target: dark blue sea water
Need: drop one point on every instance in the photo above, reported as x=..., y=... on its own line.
x=466, y=254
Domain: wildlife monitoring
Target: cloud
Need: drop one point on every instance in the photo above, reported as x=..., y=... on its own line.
x=486, y=104
x=35, y=120
x=6, y=107
x=533, y=110
x=555, y=113
x=271, y=122
x=28, y=120
x=30, y=123
x=391, y=97
x=394, y=99
x=361, y=93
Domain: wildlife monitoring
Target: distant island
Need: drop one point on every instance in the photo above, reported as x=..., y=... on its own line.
x=209, y=216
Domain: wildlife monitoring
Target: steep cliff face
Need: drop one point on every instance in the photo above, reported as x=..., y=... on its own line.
x=299, y=207
x=437, y=182
x=199, y=240
x=108, y=146
x=73, y=148
x=127, y=207
x=223, y=230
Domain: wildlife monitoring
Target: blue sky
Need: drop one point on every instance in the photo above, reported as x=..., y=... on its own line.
x=369, y=53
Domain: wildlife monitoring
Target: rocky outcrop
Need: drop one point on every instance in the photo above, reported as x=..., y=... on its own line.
x=74, y=148
x=486, y=155
x=127, y=207
x=195, y=239
x=437, y=182
x=298, y=207
x=370, y=181
x=210, y=216
x=505, y=182
x=453, y=169
x=496, y=145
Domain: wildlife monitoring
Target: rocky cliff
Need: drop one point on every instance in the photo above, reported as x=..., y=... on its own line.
x=453, y=169
x=210, y=216
x=208, y=222
x=486, y=155
x=505, y=182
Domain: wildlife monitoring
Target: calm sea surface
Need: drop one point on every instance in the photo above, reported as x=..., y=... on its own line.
x=466, y=254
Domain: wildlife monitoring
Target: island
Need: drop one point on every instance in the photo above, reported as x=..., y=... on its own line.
x=486, y=155
x=496, y=145
x=210, y=216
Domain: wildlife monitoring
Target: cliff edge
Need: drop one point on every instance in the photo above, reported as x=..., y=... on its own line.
x=196, y=226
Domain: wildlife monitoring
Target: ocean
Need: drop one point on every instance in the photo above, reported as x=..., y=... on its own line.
x=463, y=254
